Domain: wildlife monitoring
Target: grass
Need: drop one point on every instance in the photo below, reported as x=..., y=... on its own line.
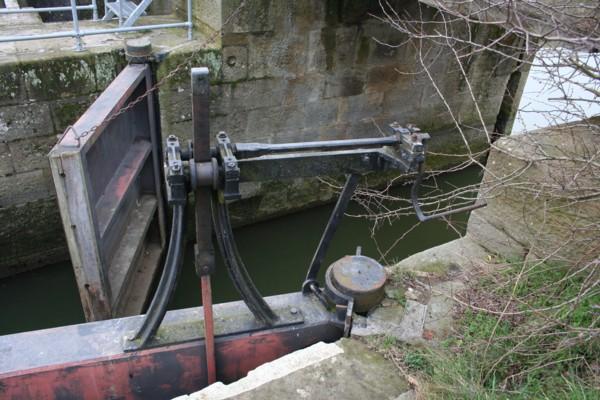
x=524, y=332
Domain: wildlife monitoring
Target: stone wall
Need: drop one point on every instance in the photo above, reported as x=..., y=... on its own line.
x=321, y=70
x=41, y=96
x=282, y=71
x=543, y=191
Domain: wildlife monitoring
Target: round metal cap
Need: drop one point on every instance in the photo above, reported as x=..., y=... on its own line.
x=359, y=277
x=138, y=50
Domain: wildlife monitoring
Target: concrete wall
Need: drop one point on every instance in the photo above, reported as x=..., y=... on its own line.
x=283, y=71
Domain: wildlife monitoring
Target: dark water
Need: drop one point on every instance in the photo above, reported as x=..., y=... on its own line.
x=276, y=253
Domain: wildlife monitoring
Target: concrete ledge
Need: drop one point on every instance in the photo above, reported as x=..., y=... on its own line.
x=346, y=370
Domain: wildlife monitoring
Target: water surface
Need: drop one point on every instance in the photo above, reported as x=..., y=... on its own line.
x=276, y=252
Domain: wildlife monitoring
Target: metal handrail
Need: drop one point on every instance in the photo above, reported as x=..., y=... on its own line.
x=48, y=9
x=77, y=33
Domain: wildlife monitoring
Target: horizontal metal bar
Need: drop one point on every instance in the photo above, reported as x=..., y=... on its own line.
x=303, y=165
x=42, y=9
x=134, y=28
x=56, y=35
x=246, y=150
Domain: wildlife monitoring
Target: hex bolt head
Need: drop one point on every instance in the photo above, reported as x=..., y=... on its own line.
x=293, y=311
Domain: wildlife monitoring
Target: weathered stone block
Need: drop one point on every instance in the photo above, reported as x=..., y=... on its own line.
x=235, y=124
x=67, y=112
x=11, y=82
x=6, y=163
x=178, y=108
x=282, y=56
x=107, y=66
x=255, y=16
x=183, y=130
x=316, y=58
x=363, y=106
x=308, y=88
x=22, y=188
x=382, y=78
x=31, y=235
x=235, y=63
x=31, y=154
x=322, y=132
x=25, y=121
x=259, y=49
x=206, y=15
x=340, y=86
x=368, y=128
x=175, y=93
x=385, y=52
x=321, y=113
x=220, y=98
x=541, y=191
x=58, y=78
x=259, y=93
x=340, y=46
x=274, y=120
x=306, y=15
x=402, y=103
x=344, y=370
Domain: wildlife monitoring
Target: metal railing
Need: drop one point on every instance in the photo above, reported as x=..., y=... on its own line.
x=78, y=33
x=93, y=6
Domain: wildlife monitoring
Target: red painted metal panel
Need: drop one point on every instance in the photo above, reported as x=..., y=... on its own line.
x=162, y=372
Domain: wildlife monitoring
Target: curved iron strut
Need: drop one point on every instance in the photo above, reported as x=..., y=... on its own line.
x=235, y=267
x=166, y=286
x=414, y=198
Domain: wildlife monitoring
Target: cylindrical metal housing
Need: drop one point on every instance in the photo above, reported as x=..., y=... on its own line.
x=138, y=51
x=358, y=277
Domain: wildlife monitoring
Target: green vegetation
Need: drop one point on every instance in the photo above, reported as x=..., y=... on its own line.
x=529, y=331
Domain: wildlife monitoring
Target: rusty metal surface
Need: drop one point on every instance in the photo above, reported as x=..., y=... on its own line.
x=359, y=277
x=102, y=166
x=160, y=373
x=87, y=361
x=209, y=328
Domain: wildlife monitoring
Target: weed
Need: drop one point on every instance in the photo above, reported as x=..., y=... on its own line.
x=532, y=333
x=388, y=342
x=417, y=361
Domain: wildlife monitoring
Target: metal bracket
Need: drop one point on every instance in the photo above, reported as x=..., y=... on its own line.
x=176, y=188
x=412, y=148
x=231, y=181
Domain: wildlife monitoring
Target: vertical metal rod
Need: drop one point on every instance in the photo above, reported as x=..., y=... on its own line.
x=204, y=250
x=78, y=42
x=95, y=10
x=189, y=18
x=209, y=338
x=332, y=224
x=120, y=12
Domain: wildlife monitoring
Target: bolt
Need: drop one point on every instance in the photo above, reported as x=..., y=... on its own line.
x=293, y=311
x=231, y=61
x=231, y=164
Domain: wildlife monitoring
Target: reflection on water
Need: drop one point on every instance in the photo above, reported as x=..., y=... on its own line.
x=276, y=253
